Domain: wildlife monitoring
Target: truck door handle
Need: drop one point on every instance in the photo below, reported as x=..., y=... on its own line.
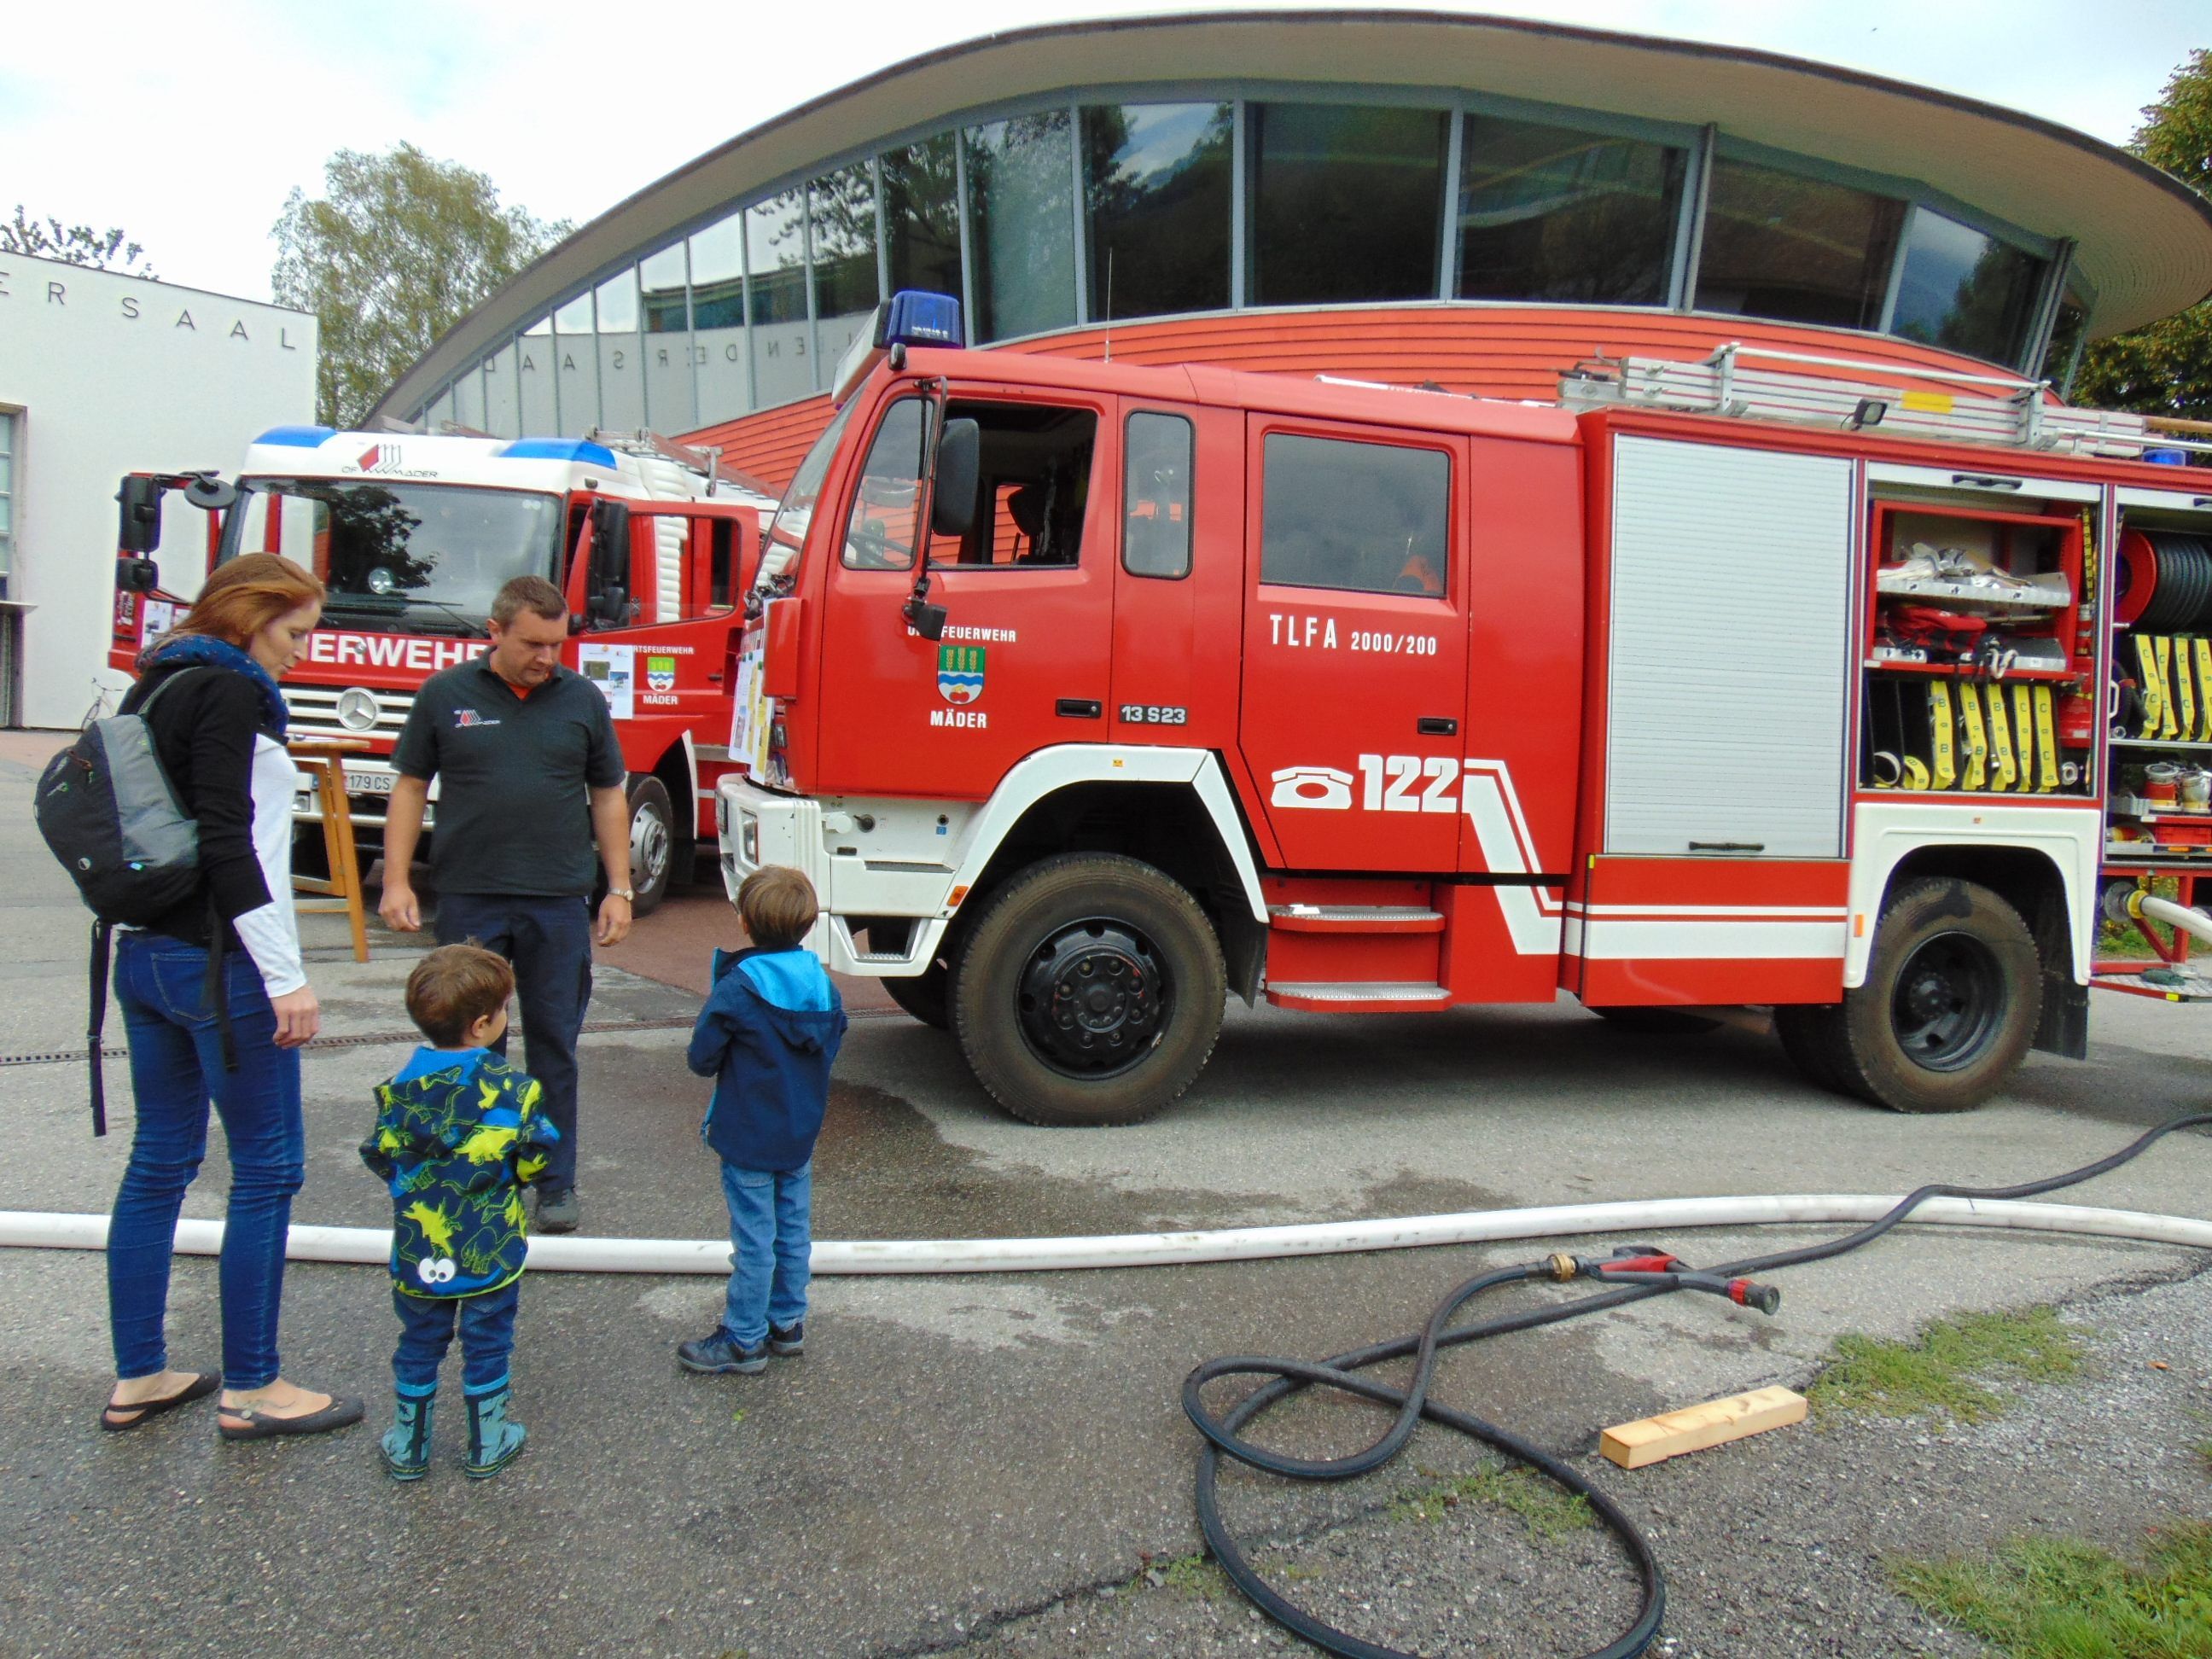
x=1728, y=846
x=1080, y=709
x=1435, y=726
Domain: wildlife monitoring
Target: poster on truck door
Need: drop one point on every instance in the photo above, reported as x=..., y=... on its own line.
x=749, y=710
x=613, y=669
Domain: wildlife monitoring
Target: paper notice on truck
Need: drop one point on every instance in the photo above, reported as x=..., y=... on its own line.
x=749, y=710
x=613, y=669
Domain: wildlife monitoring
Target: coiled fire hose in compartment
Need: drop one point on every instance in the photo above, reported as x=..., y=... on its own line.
x=1636, y=1274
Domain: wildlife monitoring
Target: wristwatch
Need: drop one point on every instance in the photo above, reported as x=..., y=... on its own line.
x=627, y=895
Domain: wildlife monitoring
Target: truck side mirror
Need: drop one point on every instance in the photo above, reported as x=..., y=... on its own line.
x=953, y=496
x=140, y=528
x=136, y=576
x=210, y=494
x=607, y=597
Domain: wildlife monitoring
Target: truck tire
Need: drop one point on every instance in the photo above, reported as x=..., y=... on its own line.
x=651, y=841
x=1810, y=1033
x=1090, y=991
x=1658, y=1022
x=924, y=995
x=1952, y=992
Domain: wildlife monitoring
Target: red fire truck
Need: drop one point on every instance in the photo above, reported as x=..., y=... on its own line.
x=414, y=533
x=1747, y=681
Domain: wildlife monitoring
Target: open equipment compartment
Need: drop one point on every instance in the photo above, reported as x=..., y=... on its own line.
x=1980, y=637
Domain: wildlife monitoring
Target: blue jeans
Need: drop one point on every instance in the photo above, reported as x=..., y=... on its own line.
x=549, y=940
x=176, y=1068
x=771, y=1235
x=426, y=1328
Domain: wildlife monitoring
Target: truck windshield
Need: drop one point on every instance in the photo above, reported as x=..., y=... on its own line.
x=787, y=532
x=419, y=558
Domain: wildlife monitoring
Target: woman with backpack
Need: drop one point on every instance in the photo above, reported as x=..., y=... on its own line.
x=216, y=1006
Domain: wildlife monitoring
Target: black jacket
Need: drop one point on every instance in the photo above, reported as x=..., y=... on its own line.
x=204, y=731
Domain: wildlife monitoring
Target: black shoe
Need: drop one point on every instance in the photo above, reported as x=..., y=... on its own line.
x=718, y=1355
x=789, y=1342
x=557, y=1212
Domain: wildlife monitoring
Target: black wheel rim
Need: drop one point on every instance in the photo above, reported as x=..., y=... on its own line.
x=1948, y=1001
x=1093, y=998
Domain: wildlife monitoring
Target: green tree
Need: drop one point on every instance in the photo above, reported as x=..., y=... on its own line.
x=398, y=249
x=73, y=245
x=2165, y=368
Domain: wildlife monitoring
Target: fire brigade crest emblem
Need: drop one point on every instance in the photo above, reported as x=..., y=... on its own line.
x=660, y=674
x=960, y=673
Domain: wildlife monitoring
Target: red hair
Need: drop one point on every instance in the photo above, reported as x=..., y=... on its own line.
x=247, y=593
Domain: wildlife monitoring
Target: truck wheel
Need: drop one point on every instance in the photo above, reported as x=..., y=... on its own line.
x=1952, y=992
x=1810, y=1033
x=924, y=995
x=1089, y=991
x=652, y=843
x=1658, y=1022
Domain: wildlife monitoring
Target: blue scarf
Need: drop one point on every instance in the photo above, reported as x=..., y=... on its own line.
x=205, y=650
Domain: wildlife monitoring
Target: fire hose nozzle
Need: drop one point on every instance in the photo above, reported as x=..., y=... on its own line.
x=1748, y=1293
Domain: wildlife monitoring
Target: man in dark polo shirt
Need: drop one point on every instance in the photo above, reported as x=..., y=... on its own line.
x=529, y=777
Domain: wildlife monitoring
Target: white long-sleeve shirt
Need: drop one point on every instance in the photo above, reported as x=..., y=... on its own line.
x=271, y=934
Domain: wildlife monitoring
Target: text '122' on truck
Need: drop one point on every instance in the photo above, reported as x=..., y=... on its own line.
x=413, y=535
x=1089, y=695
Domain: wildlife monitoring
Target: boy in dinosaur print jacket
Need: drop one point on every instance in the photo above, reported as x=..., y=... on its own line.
x=458, y=1136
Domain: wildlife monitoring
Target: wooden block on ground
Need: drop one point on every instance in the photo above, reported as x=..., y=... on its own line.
x=1632, y=1445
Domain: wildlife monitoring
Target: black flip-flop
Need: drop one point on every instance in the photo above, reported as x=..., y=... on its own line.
x=203, y=1384
x=340, y=1413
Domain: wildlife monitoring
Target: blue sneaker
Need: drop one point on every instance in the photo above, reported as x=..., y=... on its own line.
x=787, y=1341
x=719, y=1355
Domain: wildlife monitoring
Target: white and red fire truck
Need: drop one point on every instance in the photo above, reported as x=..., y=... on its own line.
x=414, y=534
x=1735, y=682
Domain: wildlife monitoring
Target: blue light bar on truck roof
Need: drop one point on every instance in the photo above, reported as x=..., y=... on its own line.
x=580, y=450
x=917, y=317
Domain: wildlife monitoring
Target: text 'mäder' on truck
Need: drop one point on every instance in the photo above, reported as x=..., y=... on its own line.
x=1087, y=694
x=414, y=534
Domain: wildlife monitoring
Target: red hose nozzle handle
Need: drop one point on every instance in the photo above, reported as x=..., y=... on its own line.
x=1748, y=1293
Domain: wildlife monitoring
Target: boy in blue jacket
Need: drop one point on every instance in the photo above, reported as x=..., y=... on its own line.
x=767, y=1037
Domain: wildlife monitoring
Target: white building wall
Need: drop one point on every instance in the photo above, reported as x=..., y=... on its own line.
x=114, y=374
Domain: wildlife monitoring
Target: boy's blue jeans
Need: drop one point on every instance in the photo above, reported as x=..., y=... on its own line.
x=176, y=1070
x=425, y=1326
x=771, y=1235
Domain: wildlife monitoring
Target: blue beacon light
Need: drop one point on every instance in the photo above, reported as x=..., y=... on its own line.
x=915, y=317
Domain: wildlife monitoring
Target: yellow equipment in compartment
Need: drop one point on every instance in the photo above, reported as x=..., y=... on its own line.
x=2046, y=741
x=2004, y=770
x=2188, y=720
x=2202, y=650
x=1973, y=740
x=1942, y=752
x=2151, y=683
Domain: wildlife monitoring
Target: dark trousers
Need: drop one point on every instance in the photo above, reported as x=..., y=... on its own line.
x=426, y=1329
x=549, y=940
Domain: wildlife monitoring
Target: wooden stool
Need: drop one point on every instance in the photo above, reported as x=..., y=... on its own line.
x=325, y=756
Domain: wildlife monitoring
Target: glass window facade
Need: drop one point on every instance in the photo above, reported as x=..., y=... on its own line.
x=1158, y=181
x=1550, y=214
x=1090, y=214
x=1021, y=211
x=1965, y=290
x=1796, y=249
x=1347, y=204
x=7, y=497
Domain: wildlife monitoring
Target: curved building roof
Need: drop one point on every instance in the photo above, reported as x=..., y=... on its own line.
x=2141, y=240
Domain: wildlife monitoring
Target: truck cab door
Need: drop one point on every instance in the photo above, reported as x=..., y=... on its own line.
x=1023, y=660
x=1355, y=643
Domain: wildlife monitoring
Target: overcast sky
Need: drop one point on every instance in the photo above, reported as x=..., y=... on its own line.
x=188, y=123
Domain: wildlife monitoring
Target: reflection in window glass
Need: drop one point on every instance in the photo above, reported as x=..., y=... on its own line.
x=502, y=411
x=922, y=215
x=843, y=213
x=1156, y=186
x=621, y=358
x=2068, y=330
x=1367, y=517
x=718, y=319
x=669, y=404
x=535, y=374
x=775, y=261
x=1796, y=249
x=1155, y=496
x=1965, y=290
x=879, y=531
x=1551, y=214
x=578, y=378
x=1347, y=203
x=1021, y=190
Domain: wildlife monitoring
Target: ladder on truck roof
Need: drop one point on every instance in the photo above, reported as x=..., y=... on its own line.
x=1952, y=405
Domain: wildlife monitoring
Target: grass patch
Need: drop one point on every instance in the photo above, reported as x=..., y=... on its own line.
x=1543, y=1508
x=1936, y=1374
x=2058, y=1598
x=1188, y=1574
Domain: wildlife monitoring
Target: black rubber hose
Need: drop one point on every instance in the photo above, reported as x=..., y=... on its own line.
x=1411, y=1403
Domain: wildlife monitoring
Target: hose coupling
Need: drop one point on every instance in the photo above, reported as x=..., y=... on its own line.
x=1562, y=1267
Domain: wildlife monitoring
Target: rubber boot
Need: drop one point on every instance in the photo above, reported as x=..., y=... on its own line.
x=406, y=1443
x=494, y=1436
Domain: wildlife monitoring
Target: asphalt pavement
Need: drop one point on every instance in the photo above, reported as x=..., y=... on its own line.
x=951, y=1453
